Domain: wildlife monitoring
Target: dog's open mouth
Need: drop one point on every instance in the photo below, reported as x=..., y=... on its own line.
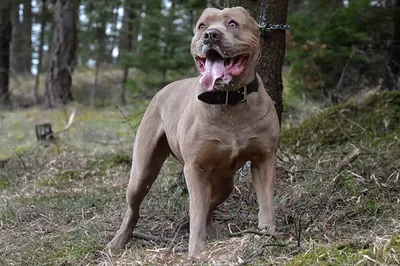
x=215, y=68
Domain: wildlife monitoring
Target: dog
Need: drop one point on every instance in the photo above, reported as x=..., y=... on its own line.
x=213, y=124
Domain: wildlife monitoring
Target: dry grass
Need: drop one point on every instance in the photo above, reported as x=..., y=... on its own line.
x=60, y=204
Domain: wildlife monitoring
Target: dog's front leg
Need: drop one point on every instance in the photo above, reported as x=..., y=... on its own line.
x=199, y=186
x=263, y=172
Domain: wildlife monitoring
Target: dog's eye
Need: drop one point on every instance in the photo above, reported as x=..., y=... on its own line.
x=232, y=24
x=201, y=26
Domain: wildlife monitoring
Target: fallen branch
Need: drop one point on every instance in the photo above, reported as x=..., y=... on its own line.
x=249, y=231
x=348, y=159
x=70, y=121
x=148, y=237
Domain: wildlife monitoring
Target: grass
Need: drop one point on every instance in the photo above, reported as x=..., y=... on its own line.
x=61, y=203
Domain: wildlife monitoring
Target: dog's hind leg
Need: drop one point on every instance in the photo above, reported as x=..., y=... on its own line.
x=150, y=151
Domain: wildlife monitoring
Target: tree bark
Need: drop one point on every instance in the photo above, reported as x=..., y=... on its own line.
x=215, y=3
x=272, y=44
x=5, y=40
x=43, y=22
x=59, y=76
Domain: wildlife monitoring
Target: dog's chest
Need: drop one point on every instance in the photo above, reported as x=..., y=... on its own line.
x=226, y=154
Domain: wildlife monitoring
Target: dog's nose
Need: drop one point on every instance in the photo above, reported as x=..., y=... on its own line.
x=212, y=36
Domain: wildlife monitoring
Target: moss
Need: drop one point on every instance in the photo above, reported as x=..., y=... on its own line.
x=394, y=245
x=375, y=120
x=350, y=253
x=328, y=256
x=119, y=159
x=4, y=183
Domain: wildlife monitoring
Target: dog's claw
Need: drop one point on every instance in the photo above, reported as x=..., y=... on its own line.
x=269, y=230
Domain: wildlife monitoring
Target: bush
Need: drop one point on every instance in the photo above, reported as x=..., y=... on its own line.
x=332, y=51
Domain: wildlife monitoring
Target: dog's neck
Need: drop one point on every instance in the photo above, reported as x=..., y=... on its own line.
x=228, y=97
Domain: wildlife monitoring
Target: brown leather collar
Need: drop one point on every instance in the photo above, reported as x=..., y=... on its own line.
x=229, y=97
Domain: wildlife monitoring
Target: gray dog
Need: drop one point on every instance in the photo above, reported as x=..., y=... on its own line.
x=212, y=124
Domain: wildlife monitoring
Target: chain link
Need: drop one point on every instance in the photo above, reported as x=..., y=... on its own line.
x=273, y=27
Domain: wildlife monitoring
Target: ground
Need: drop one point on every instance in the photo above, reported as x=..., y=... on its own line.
x=337, y=193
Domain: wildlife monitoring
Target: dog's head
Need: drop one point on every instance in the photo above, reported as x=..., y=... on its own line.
x=226, y=48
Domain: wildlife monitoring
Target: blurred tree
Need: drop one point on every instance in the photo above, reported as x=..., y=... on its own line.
x=59, y=75
x=44, y=18
x=162, y=52
x=128, y=41
x=393, y=65
x=21, y=45
x=5, y=39
x=336, y=52
x=272, y=44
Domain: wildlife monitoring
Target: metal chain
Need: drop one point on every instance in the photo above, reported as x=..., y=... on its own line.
x=269, y=27
x=264, y=26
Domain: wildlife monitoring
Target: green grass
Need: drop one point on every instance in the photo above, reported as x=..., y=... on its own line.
x=351, y=253
x=100, y=130
x=374, y=121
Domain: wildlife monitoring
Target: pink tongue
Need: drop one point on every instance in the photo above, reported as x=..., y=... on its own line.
x=213, y=71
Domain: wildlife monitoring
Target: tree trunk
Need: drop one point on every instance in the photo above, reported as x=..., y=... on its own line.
x=337, y=3
x=59, y=76
x=101, y=53
x=393, y=64
x=5, y=39
x=21, y=47
x=272, y=44
x=131, y=11
x=215, y=3
x=113, y=37
x=43, y=21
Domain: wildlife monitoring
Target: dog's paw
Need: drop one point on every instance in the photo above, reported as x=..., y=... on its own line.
x=117, y=243
x=212, y=231
x=267, y=229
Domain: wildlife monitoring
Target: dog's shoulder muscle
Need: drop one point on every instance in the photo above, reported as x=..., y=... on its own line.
x=176, y=95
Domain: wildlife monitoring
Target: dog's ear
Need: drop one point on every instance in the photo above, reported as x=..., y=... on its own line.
x=247, y=12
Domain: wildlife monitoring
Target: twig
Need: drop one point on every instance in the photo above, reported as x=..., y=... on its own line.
x=348, y=159
x=357, y=125
x=260, y=252
x=274, y=245
x=339, y=84
x=20, y=159
x=151, y=237
x=176, y=234
x=308, y=170
x=126, y=118
x=249, y=231
x=299, y=228
x=68, y=125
